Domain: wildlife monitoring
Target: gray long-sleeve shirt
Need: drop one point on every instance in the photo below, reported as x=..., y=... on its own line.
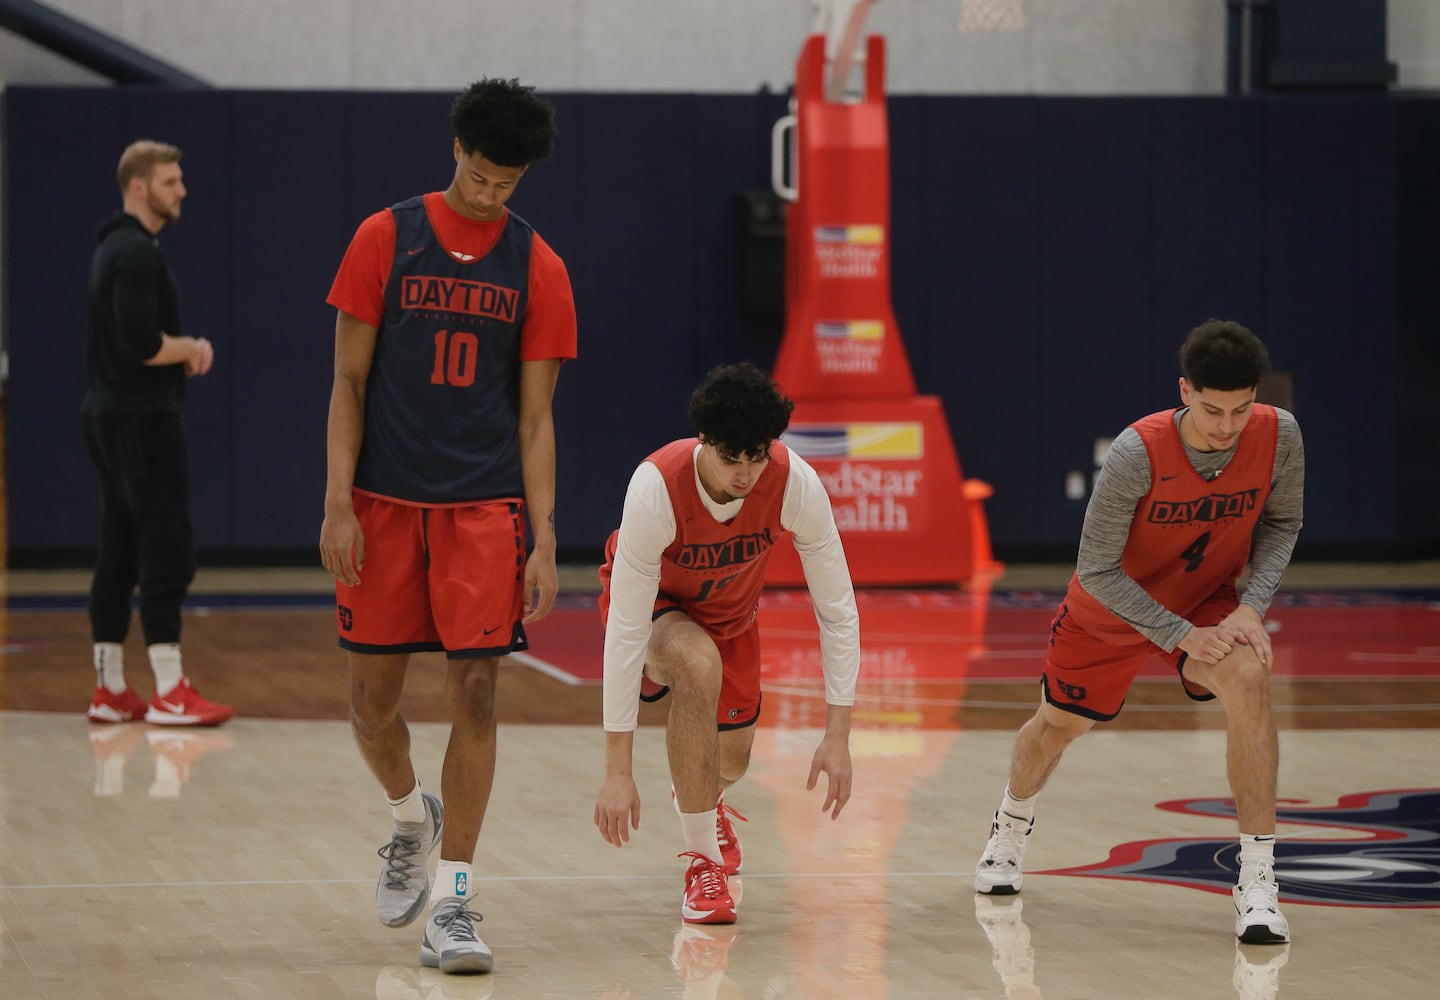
x=1125, y=478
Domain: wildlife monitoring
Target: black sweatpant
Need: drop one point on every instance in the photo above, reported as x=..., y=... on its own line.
x=146, y=538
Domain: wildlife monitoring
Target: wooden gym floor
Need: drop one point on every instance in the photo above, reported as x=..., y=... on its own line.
x=240, y=861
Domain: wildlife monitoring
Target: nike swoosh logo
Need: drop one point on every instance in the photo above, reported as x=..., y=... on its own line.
x=171, y=707
x=412, y=253
x=487, y=631
x=1166, y=479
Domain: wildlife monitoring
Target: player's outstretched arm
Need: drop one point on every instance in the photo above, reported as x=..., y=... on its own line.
x=832, y=757
x=617, y=806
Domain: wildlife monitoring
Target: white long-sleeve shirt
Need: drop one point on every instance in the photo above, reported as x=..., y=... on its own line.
x=647, y=528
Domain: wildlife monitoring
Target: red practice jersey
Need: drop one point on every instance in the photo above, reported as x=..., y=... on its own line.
x=1189, y=537
x=715, y=571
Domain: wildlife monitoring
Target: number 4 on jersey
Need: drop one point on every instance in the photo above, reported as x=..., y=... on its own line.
x=1195, y=554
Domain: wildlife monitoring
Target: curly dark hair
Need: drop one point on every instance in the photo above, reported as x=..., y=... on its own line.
x=740, y=410
x=1221, y=354
x=503, y=121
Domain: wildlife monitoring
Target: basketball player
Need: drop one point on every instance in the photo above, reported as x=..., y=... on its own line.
x=681, y=588
x=453, y=319
x=1184, y=498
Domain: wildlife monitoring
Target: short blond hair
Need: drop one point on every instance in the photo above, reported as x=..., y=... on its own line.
x=143, y=156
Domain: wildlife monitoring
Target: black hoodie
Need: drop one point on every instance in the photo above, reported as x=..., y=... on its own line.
x=133, y=299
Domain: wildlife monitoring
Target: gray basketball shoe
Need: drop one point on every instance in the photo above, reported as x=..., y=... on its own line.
x=450, y=943
x=404, y=885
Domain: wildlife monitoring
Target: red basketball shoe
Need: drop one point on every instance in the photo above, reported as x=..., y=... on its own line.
x=127, y=706
x=729, y=845
x=707, y=896
x=184, y=707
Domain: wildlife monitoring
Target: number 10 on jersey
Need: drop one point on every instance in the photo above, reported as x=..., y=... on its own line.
x=454, y=358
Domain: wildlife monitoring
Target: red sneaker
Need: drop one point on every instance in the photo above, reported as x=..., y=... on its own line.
x=127, y=706
x=184, y=707
x=707, y=894
x=729, y=845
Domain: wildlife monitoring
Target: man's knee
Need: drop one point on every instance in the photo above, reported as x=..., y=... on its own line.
x=374, y=697
x=370, y=714
x=1058, y=726
x=734, y=759
x=688, y=663
x=1240, y=679
x=472, y=686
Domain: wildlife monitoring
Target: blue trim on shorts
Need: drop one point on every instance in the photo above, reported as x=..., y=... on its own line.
x=720, y=727
x=1071, y=707
x=1185, y=685
x=518, y=644
x=726, y=727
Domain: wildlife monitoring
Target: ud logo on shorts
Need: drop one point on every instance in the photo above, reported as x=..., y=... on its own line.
x=347, y=619
x=1075, y=692
x=462, y=882
x=734, y=713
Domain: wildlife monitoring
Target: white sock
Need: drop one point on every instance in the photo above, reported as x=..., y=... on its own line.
x=1019, y=809
x=165, y=661
x=452, y=878
x=675, y=800
x=410, y=808
x=1256, y=849
x=110, y=666
x=701, y=835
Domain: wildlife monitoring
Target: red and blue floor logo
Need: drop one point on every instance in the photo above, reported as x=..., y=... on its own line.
x=1390, y=855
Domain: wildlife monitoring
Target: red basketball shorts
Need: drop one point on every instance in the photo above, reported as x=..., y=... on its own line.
x=1090, y=676
x=739, y=658
x=436, y=578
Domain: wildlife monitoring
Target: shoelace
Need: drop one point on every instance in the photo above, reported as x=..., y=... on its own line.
x=1260, y=893
x=710, y=875
x=1009, y=842
x=723, y=828
x=399, y=857
x=457, y=920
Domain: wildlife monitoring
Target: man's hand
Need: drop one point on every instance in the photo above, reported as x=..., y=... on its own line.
x=617, y=809
x=201, y=358
x=833, y=757
x=342, y=544
x=1249, y=628
x=542, y=583
x=1210, y=645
